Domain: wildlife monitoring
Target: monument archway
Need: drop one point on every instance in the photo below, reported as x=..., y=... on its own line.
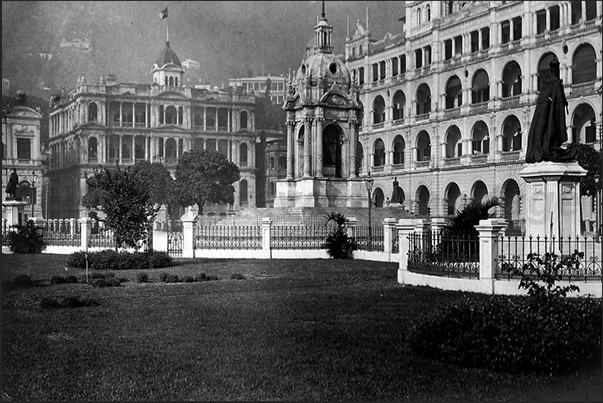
x=332, y=137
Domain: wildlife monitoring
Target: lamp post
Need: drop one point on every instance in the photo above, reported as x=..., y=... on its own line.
x=368, y=181
x=34, y=178
x=46, y=197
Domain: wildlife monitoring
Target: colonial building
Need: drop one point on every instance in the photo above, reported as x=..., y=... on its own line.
x=274, y=86
x=108, y=123
x=21, y=151
x=448, y=99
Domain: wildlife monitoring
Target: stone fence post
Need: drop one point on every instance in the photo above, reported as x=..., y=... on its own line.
x=266, y=225
x=388, y=233
x=405, y=227
x=72, y=226
x=188, y=233
x=438, y=224
x=85, y=231
x=351, y=226
x=490, y=231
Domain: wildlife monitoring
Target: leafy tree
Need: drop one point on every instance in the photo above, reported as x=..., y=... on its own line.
x=157, y=178
x=205, y=176
x=591, y=160
x=126, y=202
x=269, y=116
x=338, y=244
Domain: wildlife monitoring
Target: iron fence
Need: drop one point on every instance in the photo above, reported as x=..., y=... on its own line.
x=518, y=253
x=60, y=233
x=298, y=236
x=219, y=237
x=371, y=241
x=101, y=238
x=444, y=254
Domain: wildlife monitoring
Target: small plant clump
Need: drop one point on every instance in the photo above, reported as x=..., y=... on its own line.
x=57, y=280
x=237, y=276
x=23, y=280
x=66, y=302
x=28, y=238
x=142, y=278
x=338, y=244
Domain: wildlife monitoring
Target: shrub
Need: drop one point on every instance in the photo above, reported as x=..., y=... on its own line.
x=338, y=244
x=212, y=278
x=103, y=260
x=113, y=282
x=159, y=260
x=171, y=278
x=66, y=302
x=23, y=280
x=77, y=259
x=99, y=282
x=237, y=276
x=163, y=276
x=513, y=334
x=142, y=278
x=27, y=238
x=187, y=279
x=95, y=275
x=71, y=279
x=57, y=280
x=201, y=277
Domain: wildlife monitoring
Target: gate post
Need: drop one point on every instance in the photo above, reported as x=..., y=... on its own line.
x=388, y=233
x=85, y=231
x=405, y=227
x=188, y=233
x=266, y=224
x=489, y=233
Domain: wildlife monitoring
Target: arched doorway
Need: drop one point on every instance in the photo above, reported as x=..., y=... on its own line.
x=331, y=151
x=453, y=197
x=378, y=197
x=480, y=192
x=511, y=204
x=423, y=198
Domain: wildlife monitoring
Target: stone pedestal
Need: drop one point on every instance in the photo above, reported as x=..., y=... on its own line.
x=13, y=211
x=320, y=192
x=553, y=198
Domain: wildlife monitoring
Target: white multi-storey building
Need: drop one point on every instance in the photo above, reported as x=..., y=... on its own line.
x=448, y=101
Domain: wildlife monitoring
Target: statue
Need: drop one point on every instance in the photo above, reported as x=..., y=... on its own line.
x=11, y=187
x=548, y=131
x=397, y=193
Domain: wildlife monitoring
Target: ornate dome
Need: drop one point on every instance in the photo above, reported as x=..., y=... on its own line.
x=324, y=66
x=167, y=56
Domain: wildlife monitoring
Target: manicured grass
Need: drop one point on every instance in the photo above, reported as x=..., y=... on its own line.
x=293, y=330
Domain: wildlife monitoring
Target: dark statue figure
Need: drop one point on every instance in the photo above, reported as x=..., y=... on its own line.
x=548, y=129
x=396, y=192
x=11, y=187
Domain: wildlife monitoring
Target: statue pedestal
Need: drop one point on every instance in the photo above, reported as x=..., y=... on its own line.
x=13, y=211
x=553, y=198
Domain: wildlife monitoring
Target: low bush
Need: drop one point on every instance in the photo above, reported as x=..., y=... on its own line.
x=99, y=283
x=237, y=276
x=201, y=277
x=66, y=302
x=113, y=282
x=512, y=334
x=71, y=279
x=142, y=278
x=57, y=280
x=27, y=238
x=96, y=275
x=163, y=276
x=23, y=280
x=172, y=278
x=111, y=260
x=187, y=279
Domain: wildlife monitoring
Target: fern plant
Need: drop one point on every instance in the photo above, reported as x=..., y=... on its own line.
x=28, y=238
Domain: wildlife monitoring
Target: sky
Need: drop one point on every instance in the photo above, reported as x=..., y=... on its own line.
x=229, y=39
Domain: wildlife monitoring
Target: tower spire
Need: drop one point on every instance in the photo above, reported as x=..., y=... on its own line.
x=323, y=9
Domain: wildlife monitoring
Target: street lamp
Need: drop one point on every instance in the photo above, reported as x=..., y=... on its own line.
x=368, y=181
x=34, y=178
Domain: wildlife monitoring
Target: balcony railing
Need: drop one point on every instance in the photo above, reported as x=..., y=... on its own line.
x=479, y=159
x=422, y=164
x=452, y=161
x=399, y=122
x=377, y=126
x=510, y=155
x=514, y=100
x=422, y=116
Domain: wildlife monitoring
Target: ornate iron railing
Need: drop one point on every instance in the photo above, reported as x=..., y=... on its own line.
x=101, y=238
x=221, y=237
x=371, y=242
x=516, y=253
x=298, y=236
x=444, y=254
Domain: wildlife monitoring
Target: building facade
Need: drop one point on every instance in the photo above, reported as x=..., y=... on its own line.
x=21, y=151
x=112, y=123
x=448, y=101
x=274, y=86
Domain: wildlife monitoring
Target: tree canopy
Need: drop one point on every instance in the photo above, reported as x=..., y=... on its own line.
x=157, y=178
x=126, y=201
x=591, y=160
x=205, y=176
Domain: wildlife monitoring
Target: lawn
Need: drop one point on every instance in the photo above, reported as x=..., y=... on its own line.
x=292, y=330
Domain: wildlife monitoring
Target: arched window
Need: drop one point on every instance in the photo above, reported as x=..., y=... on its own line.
x=171, y=81
x=399, y=105
x=176, y=81
x=92, y=112
x=419, y=16
x=244, y=120
x=399, y=148
x=454, y=95
x=423, y=146
x=378, y=197
x=428, y=13
x=423, y=99
x=243, y=155
x=511, y=85
x=166, y=80
x=180, y=115
x=453, y=194
x=379, y=110
x=454, y=147
x=170, y=115
x=359, y=157
x=92, y=148
x=512, y=138
x=584, y=124
x=423, y=197
x=480, y=89
x=480, y=140
x=585, y=65
x=170, y=148
x=379, y=157
x=480, y=192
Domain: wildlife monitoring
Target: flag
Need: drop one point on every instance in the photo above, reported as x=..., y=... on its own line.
x=164, y=13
